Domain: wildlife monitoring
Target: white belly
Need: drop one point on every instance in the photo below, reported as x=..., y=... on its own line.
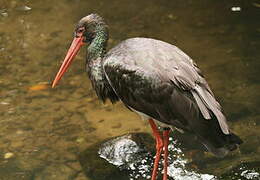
x=146, y=117
x=158, y=123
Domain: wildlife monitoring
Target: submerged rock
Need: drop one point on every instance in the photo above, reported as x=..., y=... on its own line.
x=131, y=157
x=118, y=157
x=244, y=171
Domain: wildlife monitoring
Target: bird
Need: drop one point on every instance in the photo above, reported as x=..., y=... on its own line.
x=158, y=81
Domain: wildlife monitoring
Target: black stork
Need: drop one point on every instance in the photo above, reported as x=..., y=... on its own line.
x=158, y=81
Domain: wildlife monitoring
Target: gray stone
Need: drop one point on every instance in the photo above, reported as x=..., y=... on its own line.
x=118, y=158
x=131, y=157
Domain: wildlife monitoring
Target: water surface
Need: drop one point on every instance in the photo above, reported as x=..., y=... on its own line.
x=42, y=130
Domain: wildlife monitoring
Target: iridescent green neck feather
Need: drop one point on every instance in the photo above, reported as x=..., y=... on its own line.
x=97, y=48
x=95, y=54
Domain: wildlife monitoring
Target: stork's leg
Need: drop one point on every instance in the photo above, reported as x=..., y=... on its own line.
x=166, y=133
x=159, y=147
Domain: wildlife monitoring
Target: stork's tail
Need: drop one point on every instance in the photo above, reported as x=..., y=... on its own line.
x=230, y=143
x=233, y=141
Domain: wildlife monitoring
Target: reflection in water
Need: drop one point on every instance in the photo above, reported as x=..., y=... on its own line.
x=43, y=130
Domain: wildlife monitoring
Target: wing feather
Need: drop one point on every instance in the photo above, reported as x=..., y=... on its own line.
x=155, y=62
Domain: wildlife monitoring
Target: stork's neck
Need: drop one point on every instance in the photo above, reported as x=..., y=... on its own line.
x=97, y=48
x=95, y=54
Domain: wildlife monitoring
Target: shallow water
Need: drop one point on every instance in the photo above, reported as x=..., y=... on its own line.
x=43, y=130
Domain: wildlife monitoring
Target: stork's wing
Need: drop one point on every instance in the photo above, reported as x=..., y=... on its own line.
x=167, y=86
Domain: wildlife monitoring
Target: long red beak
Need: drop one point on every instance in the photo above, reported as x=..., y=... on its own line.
x=73, y=50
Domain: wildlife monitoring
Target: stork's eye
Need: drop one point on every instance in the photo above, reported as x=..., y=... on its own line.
x=79, y=32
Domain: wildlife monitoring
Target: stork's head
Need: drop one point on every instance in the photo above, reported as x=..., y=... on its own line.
x=88, y=27
x=86, y=30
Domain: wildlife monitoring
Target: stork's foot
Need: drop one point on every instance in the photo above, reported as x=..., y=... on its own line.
x=160, y=143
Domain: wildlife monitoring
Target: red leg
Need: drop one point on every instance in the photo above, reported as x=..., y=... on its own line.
x=165, y=143
x=159, y=146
